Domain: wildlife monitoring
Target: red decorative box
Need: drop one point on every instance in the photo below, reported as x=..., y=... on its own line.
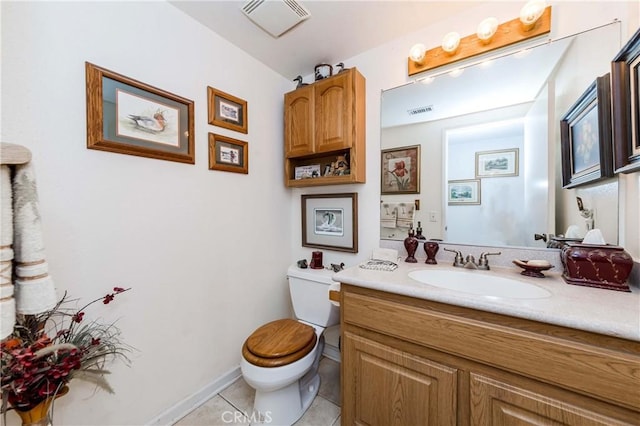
x=601, y=266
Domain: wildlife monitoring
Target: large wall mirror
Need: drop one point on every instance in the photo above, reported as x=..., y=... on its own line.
x=489, y=157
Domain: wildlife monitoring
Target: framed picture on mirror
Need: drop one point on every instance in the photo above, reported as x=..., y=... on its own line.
x=463, y=192
x=400, y=170
x=499, y=163
x=586, y=136
x=625, y=86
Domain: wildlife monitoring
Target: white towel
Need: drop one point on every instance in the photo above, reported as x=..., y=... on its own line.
x=388, y=215
x=7, y=302
x=406, y=212
x=34, y=289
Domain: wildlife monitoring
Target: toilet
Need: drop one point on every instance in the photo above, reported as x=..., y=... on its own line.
x=280, y=359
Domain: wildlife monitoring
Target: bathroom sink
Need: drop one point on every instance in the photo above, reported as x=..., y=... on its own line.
x=479, y=282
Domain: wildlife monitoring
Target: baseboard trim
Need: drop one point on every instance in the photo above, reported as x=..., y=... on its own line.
x=190, y=403
x=331, y=352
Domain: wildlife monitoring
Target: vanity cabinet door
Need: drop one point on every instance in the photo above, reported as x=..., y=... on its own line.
x=385, y=386
x=299, y=122
x=334, y=113
x=494, y=402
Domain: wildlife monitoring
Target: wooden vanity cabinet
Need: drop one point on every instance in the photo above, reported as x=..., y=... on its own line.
x=322, y=121
x=409, y=361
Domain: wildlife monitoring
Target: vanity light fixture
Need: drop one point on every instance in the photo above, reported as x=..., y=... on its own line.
x=487, y=29
x=534, y=21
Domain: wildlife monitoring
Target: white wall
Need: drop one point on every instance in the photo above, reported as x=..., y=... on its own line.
x=203, y=250
x=386, y=67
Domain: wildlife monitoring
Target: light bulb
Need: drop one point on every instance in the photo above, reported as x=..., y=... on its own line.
x=417, y=52
x=531, y=12
x=450, y=42
x=486, y=29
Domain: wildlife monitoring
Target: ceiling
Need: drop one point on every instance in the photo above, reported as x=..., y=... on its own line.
x=336, y=30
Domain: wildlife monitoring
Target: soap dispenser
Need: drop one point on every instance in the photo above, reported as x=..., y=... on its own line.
x=419, y=232
x=411, y=245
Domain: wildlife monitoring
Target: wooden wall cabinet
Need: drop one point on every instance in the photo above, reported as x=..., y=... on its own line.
x=322, y=121
x=412, y=361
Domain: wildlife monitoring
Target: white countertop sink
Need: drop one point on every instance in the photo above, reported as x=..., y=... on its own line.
x=479, y=282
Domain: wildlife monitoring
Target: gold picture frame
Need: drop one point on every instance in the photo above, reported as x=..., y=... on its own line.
x=129, y=117
x=227, y=154
x=227, y=111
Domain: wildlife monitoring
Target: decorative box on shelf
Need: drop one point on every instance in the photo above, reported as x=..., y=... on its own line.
x=602, y=266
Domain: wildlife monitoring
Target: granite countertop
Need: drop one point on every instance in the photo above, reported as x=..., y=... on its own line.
x=608, y=312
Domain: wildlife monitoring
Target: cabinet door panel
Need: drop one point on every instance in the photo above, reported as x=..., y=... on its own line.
x=298, y=119
x=390, y=387
x=497, y=403
x=334, y=115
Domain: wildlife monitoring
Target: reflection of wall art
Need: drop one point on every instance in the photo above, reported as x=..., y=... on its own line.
x=500, y=163
x=400, y=170
x=330, y=221
x=227, y=154
x=463, y=192
x=625, y=83
x=227, y=111
x=585, y=133
x=130, y=117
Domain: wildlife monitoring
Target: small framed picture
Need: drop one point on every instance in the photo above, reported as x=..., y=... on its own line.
x=129, y=117
x=306, y=172
x=400, y=170
x=625, y=86
x=227, y=111
x=499, y=163
x=586, y=136
x=463, y=192
x=227, y=154
x=330, y=221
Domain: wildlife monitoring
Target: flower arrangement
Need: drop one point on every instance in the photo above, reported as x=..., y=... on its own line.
x=47, y=350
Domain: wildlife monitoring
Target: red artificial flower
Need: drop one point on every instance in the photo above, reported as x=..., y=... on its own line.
x=108, y=298
x=118, y=289
x=78, y=317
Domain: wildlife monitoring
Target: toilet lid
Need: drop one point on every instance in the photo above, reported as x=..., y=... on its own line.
x=279, y=343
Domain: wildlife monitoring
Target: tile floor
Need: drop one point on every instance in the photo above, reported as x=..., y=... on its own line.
x=229, y=405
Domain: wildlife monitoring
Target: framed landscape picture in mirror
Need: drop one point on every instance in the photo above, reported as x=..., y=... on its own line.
x=463, y=192
x=400, y=170
x=227, y=111
x=499, y=163
x=625, y=84
x=585, y=136
x=130, y=117
x=330, y=221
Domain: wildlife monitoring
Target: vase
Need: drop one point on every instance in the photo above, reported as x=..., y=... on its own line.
x=431, y=247
x=40, y=415
x=411, y=245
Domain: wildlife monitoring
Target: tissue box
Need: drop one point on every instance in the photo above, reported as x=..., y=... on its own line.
x=602, y=266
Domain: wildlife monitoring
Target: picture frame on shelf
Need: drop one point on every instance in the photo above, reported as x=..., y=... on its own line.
x=400, y=170
x=625, y=99
x=127, y=116
x=227, y=111
x=497, y=163
x=464, y=192
x=227, y=154
x=330, y=221
x=586, y=136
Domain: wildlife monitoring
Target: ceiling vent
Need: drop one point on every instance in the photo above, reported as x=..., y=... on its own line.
x=275, y=16
x=420, y=110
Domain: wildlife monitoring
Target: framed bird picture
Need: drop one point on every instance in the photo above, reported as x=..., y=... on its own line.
x=130, y=117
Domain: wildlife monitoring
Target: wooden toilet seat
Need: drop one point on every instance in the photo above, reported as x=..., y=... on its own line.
x=279, y=343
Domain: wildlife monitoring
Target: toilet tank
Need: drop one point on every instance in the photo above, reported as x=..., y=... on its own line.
x=309, y=289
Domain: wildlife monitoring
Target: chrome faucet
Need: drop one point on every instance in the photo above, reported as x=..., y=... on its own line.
x=470, y=262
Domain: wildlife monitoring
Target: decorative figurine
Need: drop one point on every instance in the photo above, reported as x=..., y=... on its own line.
x=300, y=83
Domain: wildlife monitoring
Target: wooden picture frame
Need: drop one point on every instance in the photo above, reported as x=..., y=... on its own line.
x=330, y=221
x=400, y=170
x=625, y=86
x=227, y=154
x=464, y=192
x=227, y=111
x=129, y=117
x=586, y=136
x=498, y=163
